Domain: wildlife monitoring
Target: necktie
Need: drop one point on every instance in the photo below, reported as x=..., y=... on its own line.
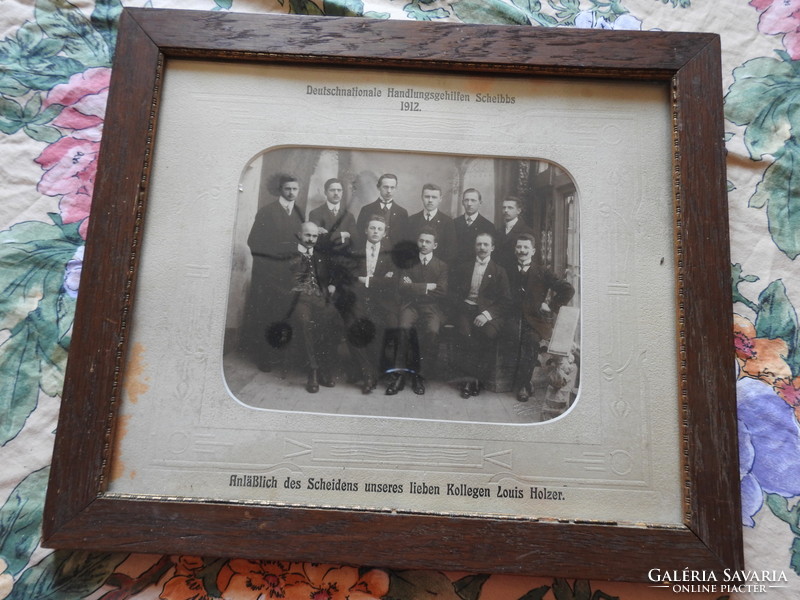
x=289, y=210
x=469, y=222
x=372, y=251
x=335, y=212
x=384, y=206
x=428, y=217
x=425, y=261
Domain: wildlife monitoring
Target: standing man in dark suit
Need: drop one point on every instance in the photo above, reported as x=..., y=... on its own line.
x=481, y=294
x=537, y=296
x=336, y=225
x=272, y=239
x=423, y=288
x=312, y=314
x=508, y=232
x=430, y=216
x=394, y=215
x=370, y=305
x=469, y=225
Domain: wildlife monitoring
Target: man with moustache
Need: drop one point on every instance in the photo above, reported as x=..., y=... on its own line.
x=430, y=216
x=481, y=295
x=395, y=216
x=423, y=287
x=271, y=240
x=469, y=225
x=508, y=232
x=312, y=314
x=336, y=224
x=537, y=296
x=369, y=305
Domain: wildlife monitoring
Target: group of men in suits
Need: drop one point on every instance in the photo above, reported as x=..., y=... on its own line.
x=388, y=281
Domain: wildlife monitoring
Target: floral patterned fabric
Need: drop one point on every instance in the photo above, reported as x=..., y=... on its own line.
x=55, y=59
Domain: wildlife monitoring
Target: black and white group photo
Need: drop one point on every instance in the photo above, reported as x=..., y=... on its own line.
x=405, y=284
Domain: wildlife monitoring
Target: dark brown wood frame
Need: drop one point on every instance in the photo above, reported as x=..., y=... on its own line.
x=79, y=513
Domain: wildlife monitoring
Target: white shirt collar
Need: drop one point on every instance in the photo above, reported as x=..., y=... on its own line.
x=303, y=250
x=422, y=257
x=334, y=207
x=483, y=262
x=286, y=204
x=510, y=224
x=431, y=214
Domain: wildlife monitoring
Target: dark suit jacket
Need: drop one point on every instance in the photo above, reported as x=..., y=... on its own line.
x=465, y=236
x=272, y=239
x=274, y=233
x=506, y=244
x=396, y=228
x=295, y=266
x=343, y=221
x=493, y=295
x=415, y=292
x=445, y=233
x=529, y=290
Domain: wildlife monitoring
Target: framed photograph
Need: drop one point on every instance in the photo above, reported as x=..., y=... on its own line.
x=410, y=295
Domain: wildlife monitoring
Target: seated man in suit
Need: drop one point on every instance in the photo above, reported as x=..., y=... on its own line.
x=422, y=289
x=369, y=306
x=336, y=224
x=537, y=295
x=481, y=295
x=313, y=315
x=468, y=226
x=431, y=216
x=508, y=232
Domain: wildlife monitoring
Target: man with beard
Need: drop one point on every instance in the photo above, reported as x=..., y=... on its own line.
x=537, y=296
x=481, y=295
x=311, y=313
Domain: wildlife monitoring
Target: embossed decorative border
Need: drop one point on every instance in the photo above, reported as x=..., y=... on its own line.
x=81, y=514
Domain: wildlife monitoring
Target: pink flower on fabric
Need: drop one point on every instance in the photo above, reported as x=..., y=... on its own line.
x=781, y=17
x=84, y=99
x=70, y=164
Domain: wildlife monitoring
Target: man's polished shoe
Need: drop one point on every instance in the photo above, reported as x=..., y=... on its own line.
x=396, y=384
x=475, y=388
x=417, y=385
x=465, y=390
x=312, y=385
x=326, y=380
x=522, y=394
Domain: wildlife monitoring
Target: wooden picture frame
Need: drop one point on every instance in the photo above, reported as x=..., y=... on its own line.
x=81, y=514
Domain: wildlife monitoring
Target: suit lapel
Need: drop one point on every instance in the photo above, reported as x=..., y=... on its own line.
x=488, y=276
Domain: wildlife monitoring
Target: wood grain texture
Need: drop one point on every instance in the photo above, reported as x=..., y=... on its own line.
x=79, y=512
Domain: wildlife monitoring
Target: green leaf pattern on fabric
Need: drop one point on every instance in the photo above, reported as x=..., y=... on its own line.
x=38, y=313
x=21, y=520
x=777, y=319
x=66, y=576
x=765, y=98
